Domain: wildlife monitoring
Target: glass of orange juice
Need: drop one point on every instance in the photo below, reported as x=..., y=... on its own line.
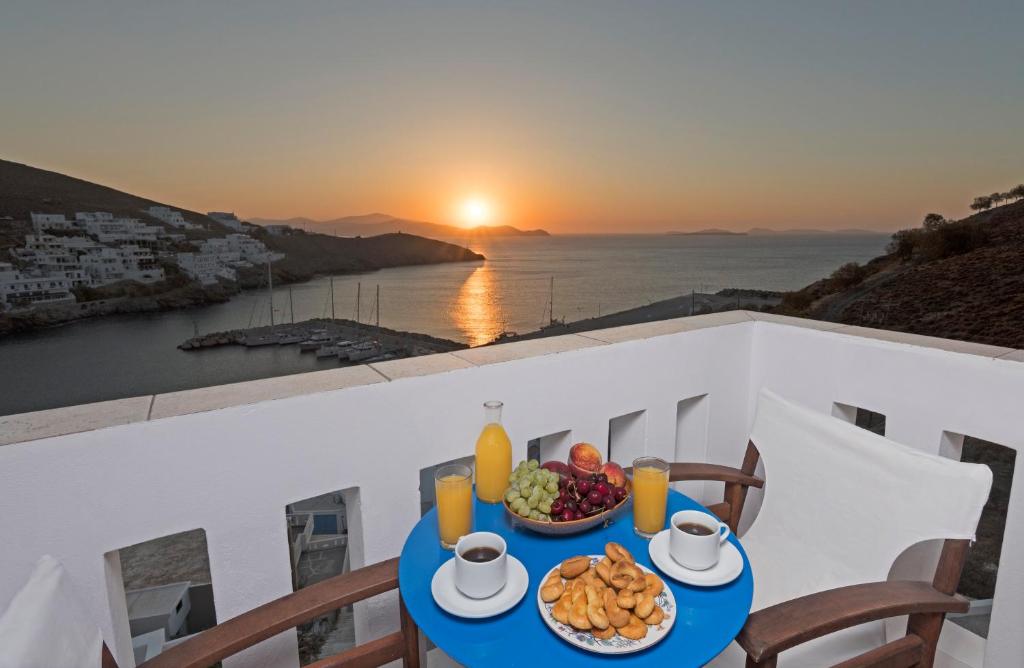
x=453, y=487
x=650, y=495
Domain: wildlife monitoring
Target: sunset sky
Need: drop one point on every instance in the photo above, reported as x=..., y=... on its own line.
x=573, y=116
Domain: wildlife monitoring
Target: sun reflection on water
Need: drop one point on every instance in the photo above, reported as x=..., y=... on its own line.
x=476, y=312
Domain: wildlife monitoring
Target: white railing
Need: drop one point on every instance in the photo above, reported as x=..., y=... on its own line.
x=683, y=390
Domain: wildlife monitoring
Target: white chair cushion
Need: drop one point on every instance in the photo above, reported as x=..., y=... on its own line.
x=46, y=625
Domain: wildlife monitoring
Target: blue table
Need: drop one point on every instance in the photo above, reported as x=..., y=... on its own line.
x=707, y=618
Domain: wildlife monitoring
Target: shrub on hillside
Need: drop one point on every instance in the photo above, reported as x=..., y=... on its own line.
x=846, y=276
x=938, y=238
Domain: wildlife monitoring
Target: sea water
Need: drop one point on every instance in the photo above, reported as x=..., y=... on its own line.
x=472, y=302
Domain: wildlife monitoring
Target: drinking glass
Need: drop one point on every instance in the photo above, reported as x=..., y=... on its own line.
x=650, y=495
x=453, y=487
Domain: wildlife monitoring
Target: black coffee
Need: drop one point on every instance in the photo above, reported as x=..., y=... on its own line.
x=480, y=554
x=694, y=529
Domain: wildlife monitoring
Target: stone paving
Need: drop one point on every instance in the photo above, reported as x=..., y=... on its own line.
x=320, y=565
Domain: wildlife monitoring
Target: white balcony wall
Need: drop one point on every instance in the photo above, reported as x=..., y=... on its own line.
x=232, y=469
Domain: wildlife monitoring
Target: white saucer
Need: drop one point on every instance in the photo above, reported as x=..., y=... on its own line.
x=454, y=602
x=728, y=568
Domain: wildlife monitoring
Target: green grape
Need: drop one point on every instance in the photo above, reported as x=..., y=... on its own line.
x=533, y=464
x=534, y=515
x=523, y=511
x=533, y=502
x=525, y=491
x=512, y=478
x=544, y=507
x=511, y=495
x=551, y=488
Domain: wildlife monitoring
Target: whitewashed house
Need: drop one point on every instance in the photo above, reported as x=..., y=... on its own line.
x=22, y=290
x=43, y=222
x=204, y=267
x=127, y=263
x=227, y=219
x=171, y=217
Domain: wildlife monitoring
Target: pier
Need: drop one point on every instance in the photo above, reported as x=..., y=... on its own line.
x=347, y=340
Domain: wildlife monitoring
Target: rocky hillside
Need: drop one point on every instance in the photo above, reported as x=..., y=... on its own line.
x=954, y=279
x=24, y=189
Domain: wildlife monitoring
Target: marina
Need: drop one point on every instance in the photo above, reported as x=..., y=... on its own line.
x=347, y=341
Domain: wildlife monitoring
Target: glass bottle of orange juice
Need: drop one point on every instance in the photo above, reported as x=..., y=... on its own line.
x=493, y=456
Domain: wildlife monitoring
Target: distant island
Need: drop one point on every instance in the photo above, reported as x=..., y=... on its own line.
x=765, y=231
x=71, y=249
x=382, y=223
x=712, y=231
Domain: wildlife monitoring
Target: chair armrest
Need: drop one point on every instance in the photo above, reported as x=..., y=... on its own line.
x=780, y=627
x=694, y=471
x=271, y=618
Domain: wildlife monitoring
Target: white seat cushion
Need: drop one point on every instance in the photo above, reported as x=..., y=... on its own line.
x=46, y=624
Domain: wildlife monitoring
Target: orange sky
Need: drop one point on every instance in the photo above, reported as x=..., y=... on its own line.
x=614, y=119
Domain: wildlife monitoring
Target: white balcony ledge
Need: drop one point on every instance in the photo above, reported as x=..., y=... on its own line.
x=82, y=482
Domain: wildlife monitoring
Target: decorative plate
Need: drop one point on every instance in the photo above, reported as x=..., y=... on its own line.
x=576, y=526
x=616, y=644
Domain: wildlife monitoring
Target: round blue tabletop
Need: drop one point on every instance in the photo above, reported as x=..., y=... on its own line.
x=708, y=618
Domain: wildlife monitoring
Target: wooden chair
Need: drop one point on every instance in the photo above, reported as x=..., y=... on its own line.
x=775, y=628
x=266, y=621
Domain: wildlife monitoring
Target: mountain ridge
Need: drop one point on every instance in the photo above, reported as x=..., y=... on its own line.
x=383, y=223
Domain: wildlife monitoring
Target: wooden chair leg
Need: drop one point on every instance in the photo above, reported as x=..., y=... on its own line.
x=947, y=576
x=411, y=635
x=768, y=662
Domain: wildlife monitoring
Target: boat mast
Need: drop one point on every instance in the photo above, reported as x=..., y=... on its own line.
x=551, y=300
x=378, y=304
x=332, y=298
x=359, y=292
x=291, y=304
x=270, y=290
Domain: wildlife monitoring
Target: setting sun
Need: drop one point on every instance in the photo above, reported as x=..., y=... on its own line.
x=475, y=211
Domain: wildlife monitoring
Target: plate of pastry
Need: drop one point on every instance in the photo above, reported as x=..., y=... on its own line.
x=606, y=603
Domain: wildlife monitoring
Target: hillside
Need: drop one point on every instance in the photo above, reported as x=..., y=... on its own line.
x=24, y=189
x=382, y=223
x=308, y=254
x=973, y=290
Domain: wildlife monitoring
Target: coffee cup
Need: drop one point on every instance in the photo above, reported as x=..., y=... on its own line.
x=481, y=564
x=695, y=539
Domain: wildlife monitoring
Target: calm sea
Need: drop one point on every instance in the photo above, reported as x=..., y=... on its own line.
x=125, y=356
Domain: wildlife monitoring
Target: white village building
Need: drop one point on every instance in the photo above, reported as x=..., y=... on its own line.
x=171, y=217
x=205, y=267
x=43, y=222
x=127, y=263
x=228, y=219
x=22, y=290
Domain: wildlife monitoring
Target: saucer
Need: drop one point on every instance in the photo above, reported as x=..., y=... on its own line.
x=728, y=568
x=454, y=602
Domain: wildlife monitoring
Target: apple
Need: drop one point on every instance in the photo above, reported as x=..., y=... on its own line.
x=616, y=476
x=584, y=460
x=561, y=468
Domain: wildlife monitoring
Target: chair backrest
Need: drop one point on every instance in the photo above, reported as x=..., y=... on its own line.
x=841, y=503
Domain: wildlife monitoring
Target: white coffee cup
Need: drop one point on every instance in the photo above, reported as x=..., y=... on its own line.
x=480, y=579
x=693, y=551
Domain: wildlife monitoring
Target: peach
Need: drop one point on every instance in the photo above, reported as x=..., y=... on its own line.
x=616, y=476
x=584, y=459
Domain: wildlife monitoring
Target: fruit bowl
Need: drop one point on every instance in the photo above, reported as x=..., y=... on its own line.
x=574, y=526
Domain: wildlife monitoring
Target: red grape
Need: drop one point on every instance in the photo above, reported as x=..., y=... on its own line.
x=595, y=497
x=609, y=502
x=620, y=493
x=578, y=515
x=557, y=507
x=564, y=496
x=585, y=507
x=570, y=505
x=583, y=486
x=567, y=516
x=601, y=477
x=603, y=488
